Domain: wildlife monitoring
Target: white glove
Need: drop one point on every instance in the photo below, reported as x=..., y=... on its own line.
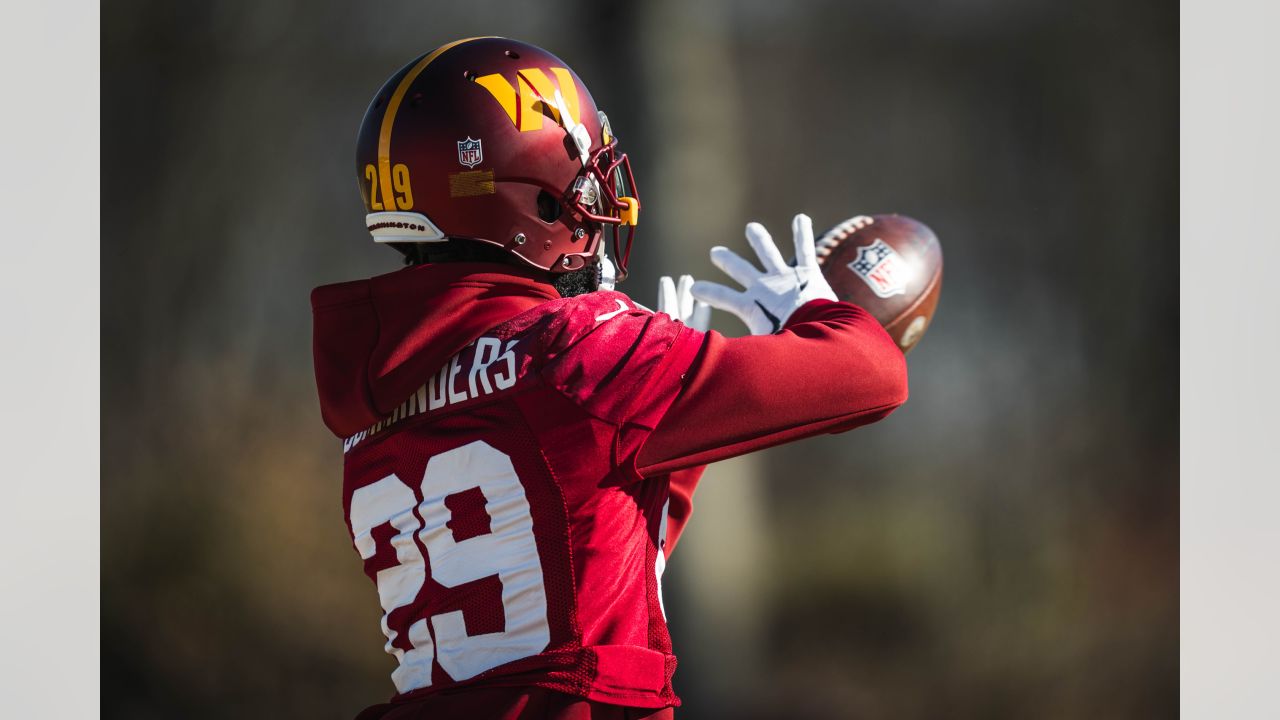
x=771, y=296
x=676, y=302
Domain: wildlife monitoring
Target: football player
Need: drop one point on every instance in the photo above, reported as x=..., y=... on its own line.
x=521, y=443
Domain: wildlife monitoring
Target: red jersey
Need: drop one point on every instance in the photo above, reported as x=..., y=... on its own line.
x=508, y=465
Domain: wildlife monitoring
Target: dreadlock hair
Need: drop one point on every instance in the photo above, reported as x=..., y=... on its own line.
x=570, y=284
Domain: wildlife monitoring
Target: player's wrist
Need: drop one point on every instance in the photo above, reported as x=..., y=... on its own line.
x=810, y=310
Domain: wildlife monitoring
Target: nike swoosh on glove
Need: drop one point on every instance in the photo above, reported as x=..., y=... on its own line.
x=677, y=302
x=768, y=298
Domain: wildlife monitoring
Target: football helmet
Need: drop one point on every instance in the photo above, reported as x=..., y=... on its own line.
x=496, y=141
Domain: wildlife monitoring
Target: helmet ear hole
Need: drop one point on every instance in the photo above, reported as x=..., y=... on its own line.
x=549, y=209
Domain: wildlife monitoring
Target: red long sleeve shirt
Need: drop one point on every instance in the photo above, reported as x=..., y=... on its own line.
x=518, y=466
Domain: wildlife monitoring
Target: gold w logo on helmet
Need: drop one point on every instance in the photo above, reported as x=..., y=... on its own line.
x=527, y=103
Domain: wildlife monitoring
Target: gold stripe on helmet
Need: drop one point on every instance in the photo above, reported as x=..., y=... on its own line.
x=393, y=105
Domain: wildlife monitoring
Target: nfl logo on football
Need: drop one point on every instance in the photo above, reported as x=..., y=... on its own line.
x=469, y=152
x=882, y=268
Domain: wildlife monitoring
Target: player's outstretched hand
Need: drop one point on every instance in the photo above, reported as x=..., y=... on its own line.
x=676, y=301
x=768, y=297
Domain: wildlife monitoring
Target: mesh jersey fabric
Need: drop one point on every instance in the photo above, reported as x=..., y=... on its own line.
x=560, y=398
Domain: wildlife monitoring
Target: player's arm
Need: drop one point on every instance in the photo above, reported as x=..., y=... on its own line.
x=681, y=485
x=829, y=367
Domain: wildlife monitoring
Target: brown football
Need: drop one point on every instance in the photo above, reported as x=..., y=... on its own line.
x=891, y=266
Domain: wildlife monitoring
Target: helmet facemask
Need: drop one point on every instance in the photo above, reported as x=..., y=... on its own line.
x=606, y=193
x=605, y=189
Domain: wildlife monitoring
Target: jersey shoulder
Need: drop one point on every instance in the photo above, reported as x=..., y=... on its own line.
x=559, y=326
x=601, y=349
x=579, y=318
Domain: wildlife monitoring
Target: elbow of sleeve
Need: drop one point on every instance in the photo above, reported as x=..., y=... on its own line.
x=889, y=386
x=876, y=381
x=895, y=383
x=876, y=369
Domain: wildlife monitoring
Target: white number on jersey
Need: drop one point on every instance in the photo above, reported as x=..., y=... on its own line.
x=508, y=551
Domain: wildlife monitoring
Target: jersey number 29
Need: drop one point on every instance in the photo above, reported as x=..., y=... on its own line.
x=508, y=551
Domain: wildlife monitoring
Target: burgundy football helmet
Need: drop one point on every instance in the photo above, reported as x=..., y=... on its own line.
x=496, y=141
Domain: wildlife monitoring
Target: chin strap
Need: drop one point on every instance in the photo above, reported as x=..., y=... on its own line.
x=576, y=130
x=606, y=272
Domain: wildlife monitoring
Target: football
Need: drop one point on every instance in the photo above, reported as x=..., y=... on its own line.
x=890, y=265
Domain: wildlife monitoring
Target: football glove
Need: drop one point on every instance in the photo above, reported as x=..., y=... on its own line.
x=674, y=300
x=768, y=297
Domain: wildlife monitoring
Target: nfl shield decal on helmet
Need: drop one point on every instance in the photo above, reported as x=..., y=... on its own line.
x=470, y=153
x=881, y=267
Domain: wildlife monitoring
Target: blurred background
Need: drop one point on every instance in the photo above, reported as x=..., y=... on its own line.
x=1004, y=546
